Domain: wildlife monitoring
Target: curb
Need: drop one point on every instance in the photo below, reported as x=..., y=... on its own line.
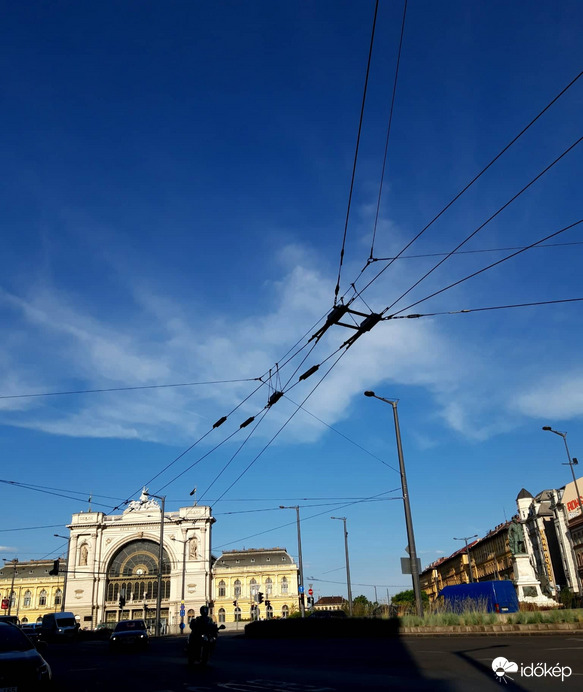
x=461, y=630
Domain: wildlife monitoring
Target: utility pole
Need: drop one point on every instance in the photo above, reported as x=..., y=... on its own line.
x=343, y=519
x=301, y=566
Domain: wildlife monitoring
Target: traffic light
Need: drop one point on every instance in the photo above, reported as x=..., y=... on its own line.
x=260, y=597
x=53, y=572
x=268, y=604
x=235, y=603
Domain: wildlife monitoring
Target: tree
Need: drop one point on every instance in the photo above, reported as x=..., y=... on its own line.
x=405, y=600
x=361, y=606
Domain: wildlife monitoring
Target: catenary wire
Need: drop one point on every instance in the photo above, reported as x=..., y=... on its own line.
x=283, y=426
x=490, y=266
x=337, y=289
x=374, y=233
x=302, y=519
x=490, y=218
x=495, y=307
x=352, y=442
x=472, y=181
x=475, y=252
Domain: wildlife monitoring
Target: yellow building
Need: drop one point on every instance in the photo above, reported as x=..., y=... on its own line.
x=31, y=590
x=488, y=558
x=241, y=578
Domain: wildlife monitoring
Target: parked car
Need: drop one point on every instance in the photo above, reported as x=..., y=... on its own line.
x=104, y=630
x=32, y=630
x=128, y=634
x=9, y=618
x=21, y=665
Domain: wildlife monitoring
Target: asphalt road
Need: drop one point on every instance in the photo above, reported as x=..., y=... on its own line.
x=440, y=664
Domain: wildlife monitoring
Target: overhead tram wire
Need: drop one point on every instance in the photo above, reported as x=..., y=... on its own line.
x=494, y=307
x=388, y=132
x=33, y=528
x=337, y=289
x=194, y=444
x=305, y=410
x=480, y=251
x=125, y=389
x=37, y=489
x=312, y=516
x=481, y=271
x=472, y=181
x=491, y=218
x=283, y=426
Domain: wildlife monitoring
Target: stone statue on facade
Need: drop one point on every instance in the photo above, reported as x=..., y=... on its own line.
x=84, y=553
x=516, y=540
x=144, y=503
x=193, y=553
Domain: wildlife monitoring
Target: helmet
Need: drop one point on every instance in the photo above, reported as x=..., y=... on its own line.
x=204, y=610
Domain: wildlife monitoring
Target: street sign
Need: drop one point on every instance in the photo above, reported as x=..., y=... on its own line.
x=406, y=565
x=182, y=612
x=5, y=604
x=311, y=592
x=300, y=589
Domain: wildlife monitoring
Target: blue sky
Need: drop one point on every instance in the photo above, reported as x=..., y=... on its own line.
x=175, y=187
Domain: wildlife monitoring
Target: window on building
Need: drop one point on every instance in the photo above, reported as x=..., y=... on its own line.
x=24, y=621
x=252, y=559
x=222, y=589
x=58, y=597
x=42, y=599
x=221, y=615
x=237, y=586
x=284, y=611
x=237, y=614
x=269, y=612
x=268, y=586
x=13, y=599
x=284, y=585
x=27, y=599
x=253, y=588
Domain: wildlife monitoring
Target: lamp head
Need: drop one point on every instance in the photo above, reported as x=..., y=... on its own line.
x=369, y=393
x=547, y=427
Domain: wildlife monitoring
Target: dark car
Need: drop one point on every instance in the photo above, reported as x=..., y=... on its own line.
x=128, y=634
x=32, y=630
x=327, y=614
x=21, y=666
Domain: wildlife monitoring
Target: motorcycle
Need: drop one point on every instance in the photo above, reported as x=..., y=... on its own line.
x=201, y=646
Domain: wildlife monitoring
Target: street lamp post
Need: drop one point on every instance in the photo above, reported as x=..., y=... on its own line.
x=13, y=562
x=408, y=518
x=184, y=544
x=301, y=586
x=466, y=539
x=162, y=499
x=571, y=462
x=68, y=539
x=343, y=519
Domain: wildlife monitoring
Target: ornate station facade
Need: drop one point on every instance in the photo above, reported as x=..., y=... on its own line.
x=113, y=564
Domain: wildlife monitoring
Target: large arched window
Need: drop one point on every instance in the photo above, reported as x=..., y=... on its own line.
x=133, y=572
x=237, y=614
x=221, y=615
x=222, y=589
x=284, y=585
x=269, y=612
x=268, y=586
x=42, y=599
x=253, y=588
x=27, y=599
x=237, y=591
x=58, y=597
x=284, y=611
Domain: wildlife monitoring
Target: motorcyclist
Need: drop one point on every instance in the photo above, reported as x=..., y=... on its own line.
x=200, y=626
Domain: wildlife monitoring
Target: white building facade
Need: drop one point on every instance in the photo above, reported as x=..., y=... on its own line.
x=113, y=564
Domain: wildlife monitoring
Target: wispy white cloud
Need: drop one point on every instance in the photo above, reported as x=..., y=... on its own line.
x=168, y=340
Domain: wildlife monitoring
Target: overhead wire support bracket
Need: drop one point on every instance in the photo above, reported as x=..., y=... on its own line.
x=365, y=326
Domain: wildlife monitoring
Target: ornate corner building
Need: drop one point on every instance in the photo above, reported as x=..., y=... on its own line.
x=113, y=564
x=30, y=590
